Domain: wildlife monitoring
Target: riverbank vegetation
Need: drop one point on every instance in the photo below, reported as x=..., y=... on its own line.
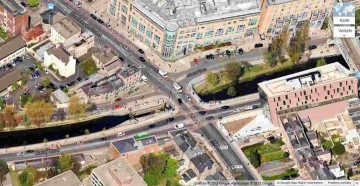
x=274, y=61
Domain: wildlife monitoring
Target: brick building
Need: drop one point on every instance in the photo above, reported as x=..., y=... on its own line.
x=13, y=17
x=307, y=89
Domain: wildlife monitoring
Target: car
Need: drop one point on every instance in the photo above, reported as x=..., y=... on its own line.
x=13, y=64
x=9, y=66
x=30, y=151
x=37, y=85
x=23, y=4
x=180, y=101
x=62, y=87
x=117, y=106
x=236, y=110
x=100, y=21
x=121, y=59
x=46, y=71
x=250, y=107
x=79, y=79
x=286, y=178
x=179, y=126
x=202, y=113
x=103, y=139
x=31, y=69
x=241, y=51
x=120, y=134
x=188, y=98
x=37, y=73
x=152, y=126
x=23, y=57
x=170, y=119
x=117, y=99
x=225, y=107
x=20, y=153
x=93, y=16
x=312, y=47
x=144, y=78
x=228, y=52
x=35, y=67
x=258, y=45
x=209, y=118
x=142, y=59
x=141, y=51
x=220, y=54
x=18, y=59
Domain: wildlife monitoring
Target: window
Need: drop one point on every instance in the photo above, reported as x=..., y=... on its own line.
x=123, y=19
x=252, y=22
x=340, y=84
x=134, y=22
x=193, y=34
x=209, y=33
x=149, y=33
x=142, y=28
x=157, y=39
x=230, y=29
x=114, y=2
x=240, y=28
x=219, y=32
x=199, y=36
x=286, y=97
x=124, y=9
x=112, y=10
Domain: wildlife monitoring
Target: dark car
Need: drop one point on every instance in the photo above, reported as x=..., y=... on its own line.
x=241, y=51
x=209, y=118
x=23, y=4
x=100, y=21
x=312, y=47
x=30, y=151
x=225, y=107
x=228, y=52
x=62, y=87
x=31, y=69
x=121, y=59
x=152, y=126
x=285, y=178
x=180, y=101
x=142, y=59
x=9, y=66
x=258, y=45
x=93, y=16
x=103, y=139
x=170, y=119
x=202, y=112
x=141, y=51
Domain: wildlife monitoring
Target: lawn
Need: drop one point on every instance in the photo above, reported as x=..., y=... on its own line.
x=268, y=152
x=14, y=178
x=89, y=66
x=290, y=172
x=3, y=34
x=278, y=155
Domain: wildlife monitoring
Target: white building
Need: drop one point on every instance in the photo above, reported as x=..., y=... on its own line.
x=60, y=60
x=64, y=30
x=10, y=49
x=59, y=98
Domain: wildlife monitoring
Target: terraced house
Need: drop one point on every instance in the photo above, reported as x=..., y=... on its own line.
x=175, y=27
x=276, y=14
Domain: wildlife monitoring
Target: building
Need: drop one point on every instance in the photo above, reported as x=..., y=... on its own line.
x=10, y=49
x=67, y=178
x=81, y=44
x=130, y=75
x=276, y=14
x=59, y=60
x=13, y=17
x=64, y=30
x=356, y=2
x=50, y=17
x=59, y=98
x=313, y=138
x=308, y=88
x=7, y=79
x=34, y=35
x=107, y=61
x=173, y=28
x=116, y=173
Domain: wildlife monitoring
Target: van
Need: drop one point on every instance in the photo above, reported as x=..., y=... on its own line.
x=144, y=78
x=179, y=126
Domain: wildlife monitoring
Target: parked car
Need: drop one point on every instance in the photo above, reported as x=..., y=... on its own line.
x=117, y=106
x=121, y=59
x=142, y=59
x=312, y=47
x=228, y=52
x=241, y=51
x=152, y=126
x=117, y=99
x=100, y=21
x=141, y=51
x=209, y=118
x=179, y=126
x=180, y=101
x=225, y=107
x=23, y=4
x=120, y=134
x=46, y=71
x=258, y=45
x=202, y=112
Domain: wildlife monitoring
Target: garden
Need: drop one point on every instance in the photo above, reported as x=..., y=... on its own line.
x=89, y=66
x=290, y=173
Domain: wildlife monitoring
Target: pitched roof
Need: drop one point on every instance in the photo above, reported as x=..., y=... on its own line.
x=33, y=33
x=67, y=178
x=126, y=145
x=60, y=53
x=8, y=78
x=106, y=56
x=11, y=45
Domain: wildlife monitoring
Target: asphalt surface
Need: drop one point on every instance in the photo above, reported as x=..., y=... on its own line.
x=164, y=85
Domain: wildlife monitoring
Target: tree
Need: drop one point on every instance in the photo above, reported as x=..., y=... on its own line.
x=270, y=58
x=357, y=17
x=171, y=167
x=233, y=70
x=338, y=148
x=2, y=104
x=212, y=78
x=326, y=23
x=87, y=131
x=33, y=3
x=254, y=158
x=65, y=163
x=231, y=91
x=76, y=106
x=46, y=82
x=320, y=62
x=67, y=136
x=29, y=176
x=39, y=111
x=4, y=169
x=8, y=115
x=45, y=141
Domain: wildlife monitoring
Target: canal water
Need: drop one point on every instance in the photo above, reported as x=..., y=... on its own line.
x=32, y=136
x=250, y=87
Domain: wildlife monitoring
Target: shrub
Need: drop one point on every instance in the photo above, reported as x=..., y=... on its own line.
x=338, y=148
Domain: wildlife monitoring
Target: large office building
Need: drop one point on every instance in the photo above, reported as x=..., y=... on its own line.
x=307, y=89
x=13, y=17
x=276, y=14
x=173, y=28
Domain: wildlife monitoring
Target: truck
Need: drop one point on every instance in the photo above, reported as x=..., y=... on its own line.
x=163, y=73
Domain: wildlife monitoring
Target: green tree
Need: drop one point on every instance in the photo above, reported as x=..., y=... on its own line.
x=254, y=158
x=46, y=82
x=270, y=58
x=357, y=17
x=212, y=78
x=65, y=163
x=14, y=86
x=2, y=104
x=171, y=167
x=4, y=169
x=320, y=62
x=233, y=70
x=76, y=106
x=29, y=176
x=326, y=23
x=33, y=3
x=338, y=148
x=231, y=91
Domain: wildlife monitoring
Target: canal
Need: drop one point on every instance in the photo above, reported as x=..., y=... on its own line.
x=250, y=87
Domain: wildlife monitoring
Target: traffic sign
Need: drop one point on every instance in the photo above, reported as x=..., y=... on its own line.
x=50, y=6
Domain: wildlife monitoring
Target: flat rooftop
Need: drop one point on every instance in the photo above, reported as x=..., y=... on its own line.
x=66, y=28
x=67, y=178
x=304, y=79
x=13, y=7
x=192, y=12
x=118, y=172
x=276, y=2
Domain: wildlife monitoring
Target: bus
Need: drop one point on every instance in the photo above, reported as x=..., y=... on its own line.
x=141, y=135
x=177, y=87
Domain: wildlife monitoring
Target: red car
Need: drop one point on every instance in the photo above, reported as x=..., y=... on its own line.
x=117, y=106
x=117, y=99
x=196, y=61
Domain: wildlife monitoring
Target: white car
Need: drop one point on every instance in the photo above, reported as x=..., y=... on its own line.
x=144, y=78
x=120, y=134
x=189, y=98
x=46, y=71
x=179, y=126
x=236, y=110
